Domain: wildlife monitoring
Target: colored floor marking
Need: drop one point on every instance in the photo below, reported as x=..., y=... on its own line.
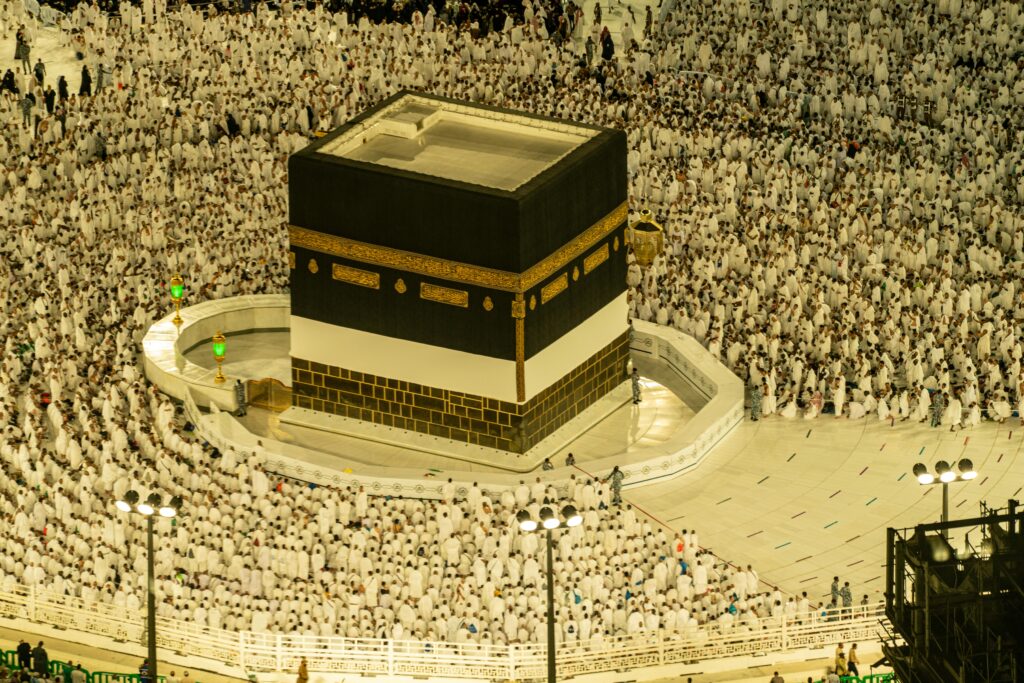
x=961, y=503
x=921, y=452
x=871, y=501
x=805, y=558
x=850, y=540
x=883, y=446
x=790, y=457
x=927, y=491
x=783, y=545
x=764, y=480
x=901, y=476
x=863, y=471
x=966, y=439
x=1000, y=457
x=835, y=494
x=853, y=563
x=724, y=500
x=1010, y=435
x=675, y=518
x=809, y=578
x=832, y=524
x=984, y=480
x=1017, y=491
x=873, y=578
x=798, y=514
x=755, y=533
x=808, y=434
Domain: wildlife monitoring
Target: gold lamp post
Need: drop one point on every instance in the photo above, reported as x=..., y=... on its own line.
x=177, y=293
x=219, y=347
x=647, y=239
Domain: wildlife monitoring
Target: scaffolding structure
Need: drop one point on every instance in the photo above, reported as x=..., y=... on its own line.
x=956, y=617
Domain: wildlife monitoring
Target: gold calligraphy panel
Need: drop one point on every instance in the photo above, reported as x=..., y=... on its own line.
x=595, y=258
x=554, y=288
x=444, y=295
x=355, y=276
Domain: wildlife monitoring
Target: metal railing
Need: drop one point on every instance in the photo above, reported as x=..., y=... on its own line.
x=252, y=652
x=59, y=670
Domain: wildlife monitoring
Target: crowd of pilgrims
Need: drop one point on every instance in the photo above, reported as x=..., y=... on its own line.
x=841, y=188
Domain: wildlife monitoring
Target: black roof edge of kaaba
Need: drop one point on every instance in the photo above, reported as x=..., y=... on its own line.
x=311, y=151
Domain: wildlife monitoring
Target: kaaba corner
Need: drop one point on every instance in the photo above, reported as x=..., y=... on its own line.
x=458, y=270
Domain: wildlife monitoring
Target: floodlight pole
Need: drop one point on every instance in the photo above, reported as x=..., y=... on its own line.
x=551, y=609
x=945, y=509
x=151, y=609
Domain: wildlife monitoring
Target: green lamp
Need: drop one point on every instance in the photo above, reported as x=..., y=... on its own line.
x=177, y=293
x=220, y=344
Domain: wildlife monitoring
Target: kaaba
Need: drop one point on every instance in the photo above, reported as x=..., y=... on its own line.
x=458, y=270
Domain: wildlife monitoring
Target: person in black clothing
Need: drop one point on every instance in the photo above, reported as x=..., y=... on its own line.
x=607, y=45
x=24, y=655
x=86, y=87
x=40, y=660
x=9, y=83
x=62, y=89
x=49, y=97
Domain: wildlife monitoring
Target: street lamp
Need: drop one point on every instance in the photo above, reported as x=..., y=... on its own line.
x=148, y=508
x=550, y=522
x=945, y=475
x=220, y=345
x=177, y=293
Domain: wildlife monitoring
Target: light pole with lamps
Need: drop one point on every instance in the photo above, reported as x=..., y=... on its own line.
x=550, y=522
x=945, y=475
x=153, y=505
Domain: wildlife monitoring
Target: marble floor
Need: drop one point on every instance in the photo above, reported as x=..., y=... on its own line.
x=256, y=355
x=804, y=501
x=48, y=44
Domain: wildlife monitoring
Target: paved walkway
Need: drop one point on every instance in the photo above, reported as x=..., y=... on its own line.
x=804, y=501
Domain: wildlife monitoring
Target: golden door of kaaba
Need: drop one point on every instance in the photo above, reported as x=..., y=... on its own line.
x=269, y=393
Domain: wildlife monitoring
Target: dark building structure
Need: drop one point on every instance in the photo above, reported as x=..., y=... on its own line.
x=957, y=617
x=458, y=270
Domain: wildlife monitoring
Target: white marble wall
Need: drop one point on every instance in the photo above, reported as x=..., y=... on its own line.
x=164, y=346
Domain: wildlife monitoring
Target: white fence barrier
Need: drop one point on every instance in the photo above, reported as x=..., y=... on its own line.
x=268, y=652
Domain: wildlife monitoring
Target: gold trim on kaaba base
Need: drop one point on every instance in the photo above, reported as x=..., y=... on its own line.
x=554, y=288
x=444, y=295
x=291, y=260
x=595, y=258
x=355, y=276
x=455, y=271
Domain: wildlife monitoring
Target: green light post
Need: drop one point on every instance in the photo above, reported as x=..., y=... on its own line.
x=220, y=345
x=177, y=294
